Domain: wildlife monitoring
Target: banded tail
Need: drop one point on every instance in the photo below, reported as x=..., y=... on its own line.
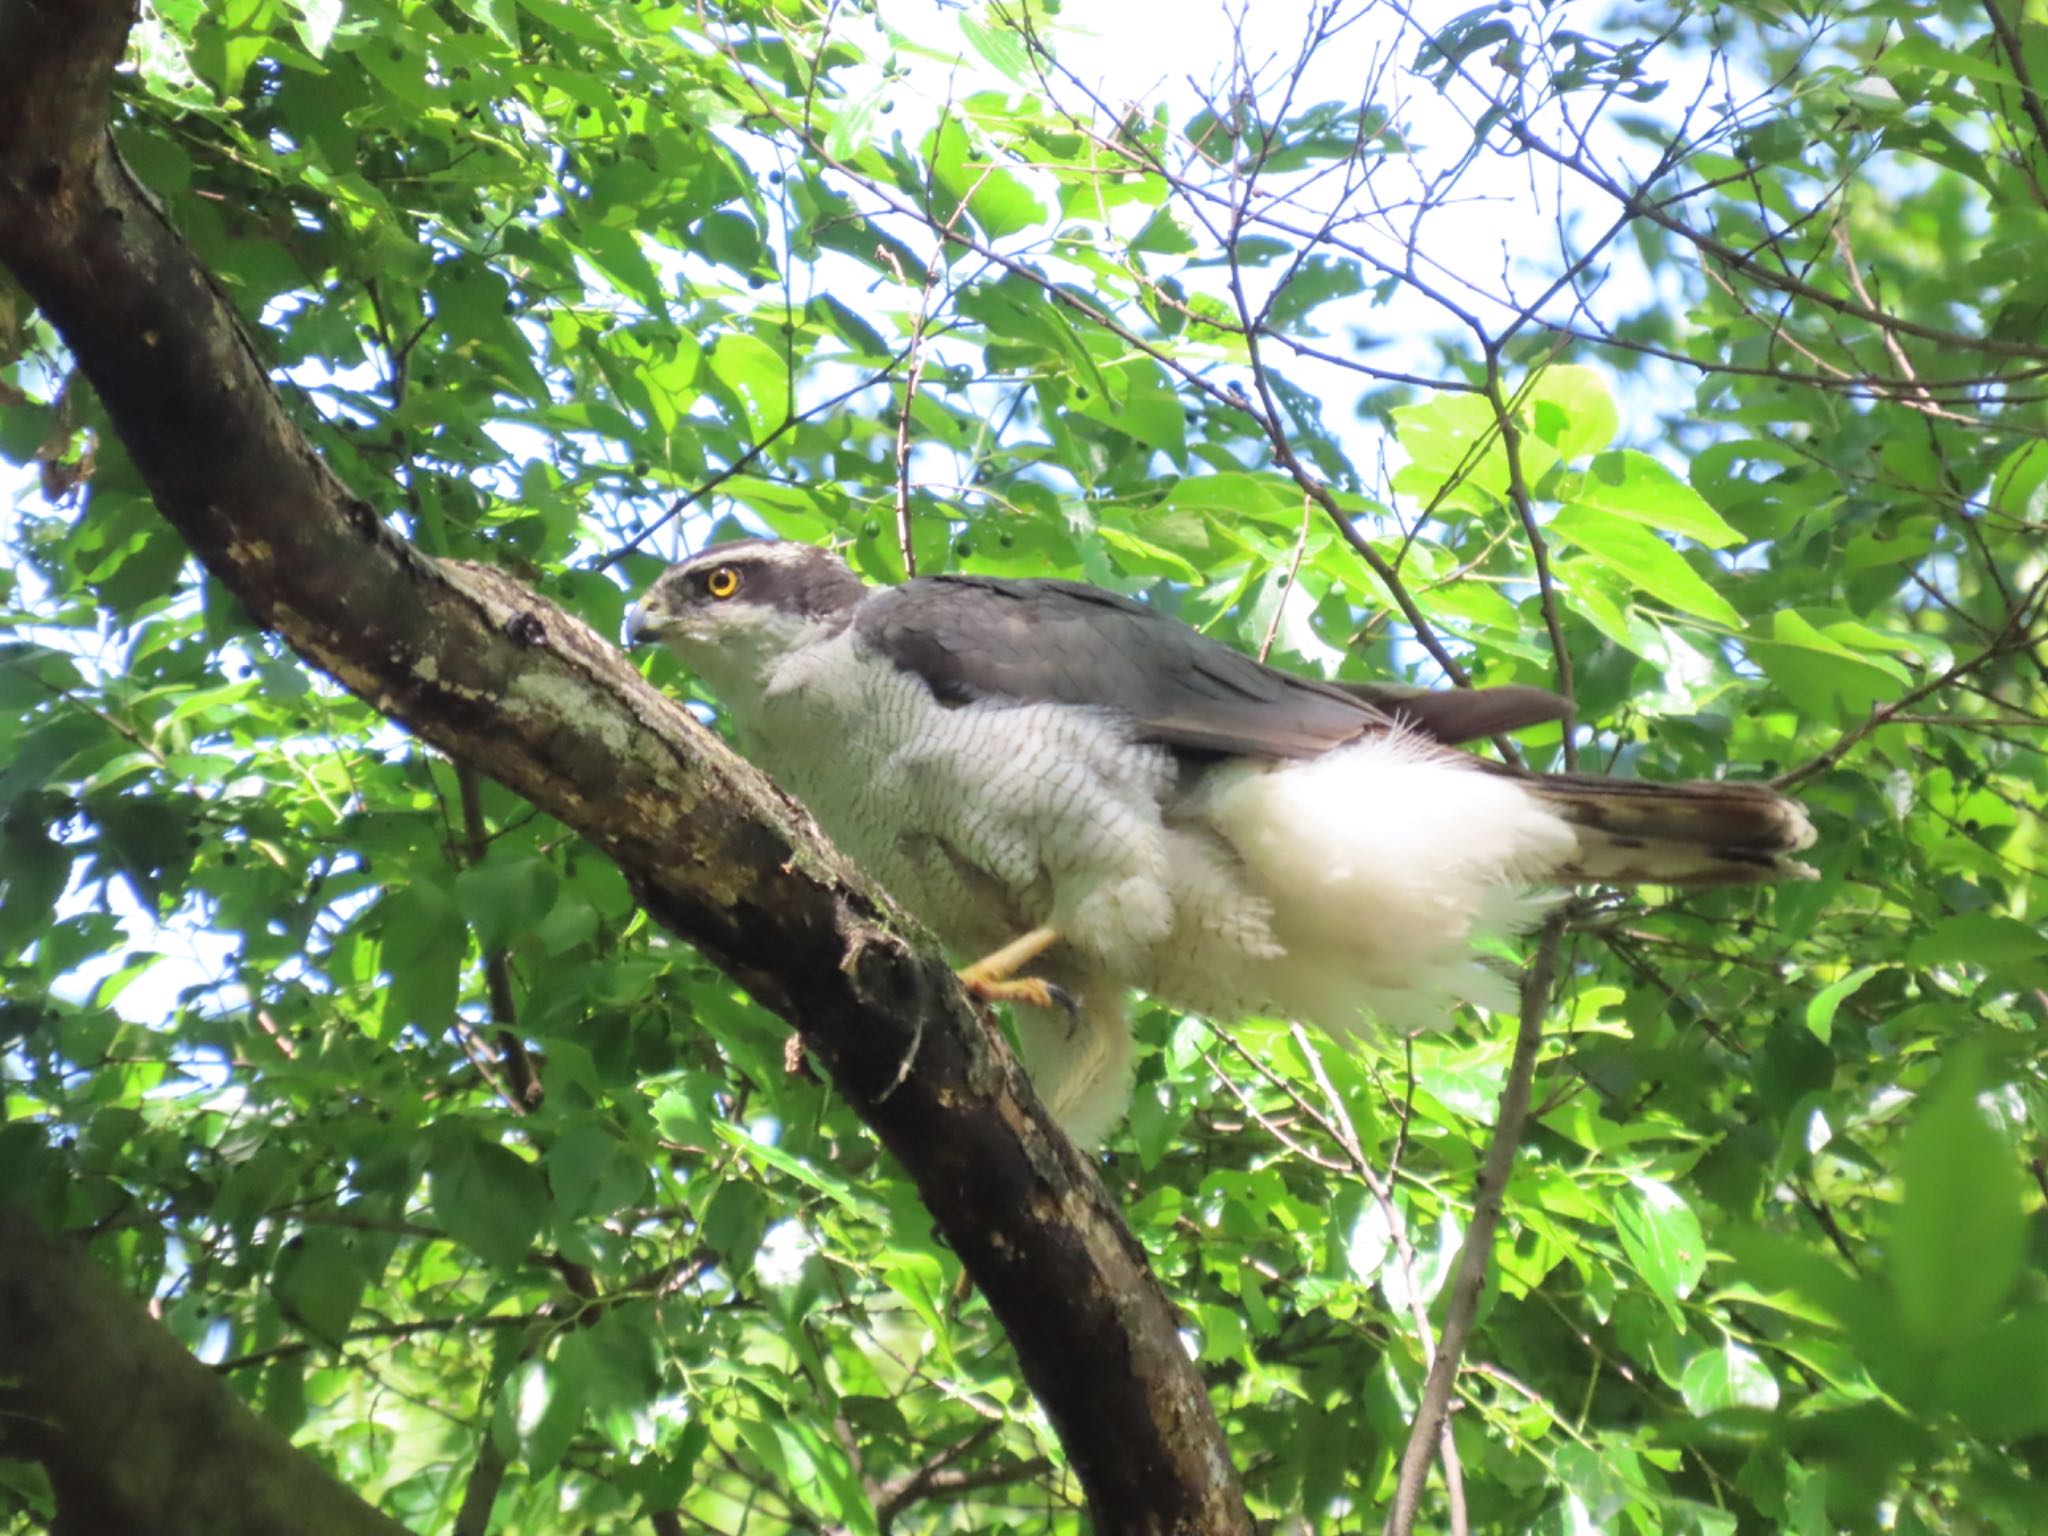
x=1698, y=833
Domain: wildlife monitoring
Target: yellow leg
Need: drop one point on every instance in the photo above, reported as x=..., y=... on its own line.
x=994, y=978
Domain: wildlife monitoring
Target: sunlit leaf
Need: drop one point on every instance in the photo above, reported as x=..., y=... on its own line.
x=1728, y=1377
x=1662, y=1238
x=1639, y=557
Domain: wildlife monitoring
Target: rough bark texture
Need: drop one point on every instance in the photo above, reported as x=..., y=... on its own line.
x=498, y=678
x=83, y=1369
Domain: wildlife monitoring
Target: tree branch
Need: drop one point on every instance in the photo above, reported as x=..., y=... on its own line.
x=1469, y=1282
x=505, y=682
x=523, y=1080
x=1518, y=496
x=2016, y=59
x=83, y=1370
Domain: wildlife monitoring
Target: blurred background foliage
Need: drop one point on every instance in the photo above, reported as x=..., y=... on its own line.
x=1686, y=358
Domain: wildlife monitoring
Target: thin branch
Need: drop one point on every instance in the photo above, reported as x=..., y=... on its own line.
x=1518, y=493
x=406, y=1330
x=746, y=461
x=521, y=1078
x=2015, y=636
x=910, y=381
x=1469, y=1282
x=1287, y=582
x=2016, y=59
x=480, y=1488
x=1745, y=263
x=916, y=350
x=1404, y=1255
x=939, y=1478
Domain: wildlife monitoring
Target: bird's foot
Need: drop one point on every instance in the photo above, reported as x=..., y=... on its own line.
x=1032, y=991
x=994, y=979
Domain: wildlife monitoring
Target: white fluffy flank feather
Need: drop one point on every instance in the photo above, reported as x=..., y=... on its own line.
x=1381, y=861
x=1080, y=1062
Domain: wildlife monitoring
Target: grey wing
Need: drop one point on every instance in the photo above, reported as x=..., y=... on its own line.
x=973, y=637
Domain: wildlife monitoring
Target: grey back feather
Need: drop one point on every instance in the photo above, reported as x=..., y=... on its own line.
x=979, y=637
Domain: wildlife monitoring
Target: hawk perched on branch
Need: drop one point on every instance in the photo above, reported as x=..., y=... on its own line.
x=1093, y=797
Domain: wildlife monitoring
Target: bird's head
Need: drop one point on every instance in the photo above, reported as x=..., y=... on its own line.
x=734, y=611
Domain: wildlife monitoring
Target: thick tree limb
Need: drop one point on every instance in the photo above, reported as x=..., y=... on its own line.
x=504, y=682
x=124, y=1419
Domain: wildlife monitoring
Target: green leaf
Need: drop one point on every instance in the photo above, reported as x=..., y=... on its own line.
x=1824, y=677
x=849, y=325
x=580, y=1165
x=996, y=200
x=756, y=378
x=1999, y=944
x=1000, y=45
x=767, y=1155
x=1639, y=557
x=505, y=897
x=320, y=1281
x=486, y=1198
x=615, y=1364
x=34, y=869
x=616, y=253
x=1316, y=281
x=1635, y=486
x=1995, y=1381
x=1571, y=408
x=539, y=1411
x=1443, y=434
x=1792, y=1278
x=1729, y=1377
x=1661, y=1237
x=1821, y=1009
x=1224, y=1337
x=731, y=240
x=425, y=946
x=853, y=125
x=1259, y=497
x=1960, y=1229
x=317, y=21
x=919, y=1280
x=501, y=16
x=1138, y=402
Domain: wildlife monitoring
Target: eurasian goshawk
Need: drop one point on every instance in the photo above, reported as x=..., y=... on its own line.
x=1054, y=777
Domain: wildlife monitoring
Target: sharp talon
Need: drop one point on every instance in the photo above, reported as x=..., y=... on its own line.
x=1066, y=1000
x=993, y=977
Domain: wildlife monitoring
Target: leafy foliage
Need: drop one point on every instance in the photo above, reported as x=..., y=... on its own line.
x=470, y=1180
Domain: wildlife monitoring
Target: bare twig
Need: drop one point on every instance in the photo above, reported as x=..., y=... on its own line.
x=1287, y=583
x=521, y=1079
x=1469, y=1282
x=2016, y=60
x=2015, y=635
x=1745, y=263
x=916, y=350
x=1518, y=493
x=1404, y=1255
x=940, y=1478
x=746, y=461
x=910, y=380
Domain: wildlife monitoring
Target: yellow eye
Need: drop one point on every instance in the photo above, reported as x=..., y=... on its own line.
x=722, y=582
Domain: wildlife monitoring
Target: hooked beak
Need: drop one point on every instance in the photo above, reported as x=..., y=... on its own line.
x=639, y=627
